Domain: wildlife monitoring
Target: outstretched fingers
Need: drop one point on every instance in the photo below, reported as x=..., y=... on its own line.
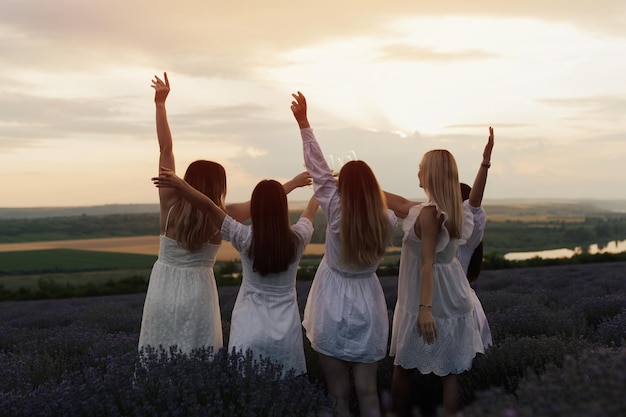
x=158, y=82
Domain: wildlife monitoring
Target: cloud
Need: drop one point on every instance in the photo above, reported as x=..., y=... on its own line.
x=603, y=107
x=402, y=52
x=228, y=39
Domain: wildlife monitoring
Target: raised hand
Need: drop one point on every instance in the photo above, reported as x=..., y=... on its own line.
x=161, y=87
x=302, y=179
x=488, y=147
x=298, y=107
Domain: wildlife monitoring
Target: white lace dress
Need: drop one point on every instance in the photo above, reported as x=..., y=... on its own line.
x=346, y=313
x=182, y=304
x=464, y=254
x=266, y=318
x=458, y=339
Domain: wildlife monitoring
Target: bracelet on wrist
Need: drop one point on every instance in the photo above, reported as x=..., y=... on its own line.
x=486, y=164
x=426, y=306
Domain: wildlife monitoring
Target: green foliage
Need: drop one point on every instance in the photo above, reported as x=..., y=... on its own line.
x=558, y=230
x=69, y=260
x=78, y=227
x=50, y=289
x=519, y=236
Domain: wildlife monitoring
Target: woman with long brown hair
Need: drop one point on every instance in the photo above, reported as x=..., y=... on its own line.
x=182, y=306
x=345, y=316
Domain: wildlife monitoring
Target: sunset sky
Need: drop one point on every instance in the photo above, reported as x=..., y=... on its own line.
x=388, y=80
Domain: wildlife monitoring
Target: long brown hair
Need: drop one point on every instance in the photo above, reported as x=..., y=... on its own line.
x=365, y=230
x=273, y=245
x=194, y=227
x=440, y=180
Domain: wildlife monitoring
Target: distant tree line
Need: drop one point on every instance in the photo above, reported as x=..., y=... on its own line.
x=500, y=236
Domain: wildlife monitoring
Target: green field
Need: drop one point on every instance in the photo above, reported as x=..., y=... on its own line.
x=68, y=260
x=55, y=273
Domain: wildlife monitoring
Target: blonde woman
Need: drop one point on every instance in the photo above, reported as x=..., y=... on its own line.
x=434, y=328
x=345, y=316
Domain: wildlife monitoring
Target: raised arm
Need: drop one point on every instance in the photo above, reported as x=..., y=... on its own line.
x=301, y=180
x=167, y=196
x=478, y=188
x=398, y=204
x=311, y=209
x=324, y=185
x=168, y=179
x=166, y=153
x=241, y=211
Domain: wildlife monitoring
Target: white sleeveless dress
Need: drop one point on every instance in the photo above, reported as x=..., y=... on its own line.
x=458, y=338
x=182, y=304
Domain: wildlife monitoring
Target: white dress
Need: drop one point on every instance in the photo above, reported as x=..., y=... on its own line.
x=458, y=339
x=464, y=254
x=346, y=313
x=266, y=318
x=182, y=304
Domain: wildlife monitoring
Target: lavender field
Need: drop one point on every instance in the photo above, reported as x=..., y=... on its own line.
x=559, y=350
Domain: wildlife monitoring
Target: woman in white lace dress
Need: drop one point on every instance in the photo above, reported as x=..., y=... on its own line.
x=345, y=317
x=182, y=306
x=434, y=328
x=266, y=318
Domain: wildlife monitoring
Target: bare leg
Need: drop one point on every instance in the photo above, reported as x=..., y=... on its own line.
x=451, y=395
x=366, y=388
x=400, y=391
x=337, y=375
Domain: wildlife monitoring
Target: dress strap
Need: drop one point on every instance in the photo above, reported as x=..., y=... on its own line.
x=167, y=219
x=214, y=234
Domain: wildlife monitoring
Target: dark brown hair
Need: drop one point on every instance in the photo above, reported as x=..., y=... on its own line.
x=273, y=245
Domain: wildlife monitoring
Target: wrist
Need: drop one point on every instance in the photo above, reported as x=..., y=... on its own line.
x=428, y=306
x=303, y=124
x=485, y=164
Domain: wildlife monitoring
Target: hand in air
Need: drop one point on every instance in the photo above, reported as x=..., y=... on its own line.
x=488, y=147
x=167, y=179
x=302, y=179
x=161, y=88
x=298, y=107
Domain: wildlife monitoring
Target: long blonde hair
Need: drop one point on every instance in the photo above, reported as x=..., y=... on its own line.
x=194, y=227
x=440, y=180
x=365, y=230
